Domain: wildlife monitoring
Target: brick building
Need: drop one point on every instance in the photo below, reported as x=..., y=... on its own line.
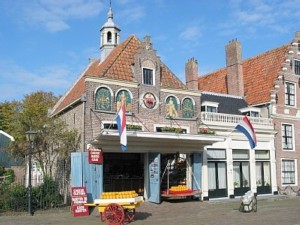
x=270, y=82
x=176, y=134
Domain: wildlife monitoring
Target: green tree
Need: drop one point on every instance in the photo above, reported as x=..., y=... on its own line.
x=53, y=139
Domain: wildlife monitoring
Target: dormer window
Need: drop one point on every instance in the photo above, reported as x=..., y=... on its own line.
x=207, y=106
x=148, y=76
x=251, y=111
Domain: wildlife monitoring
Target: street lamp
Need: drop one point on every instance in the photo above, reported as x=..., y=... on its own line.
x=30, y=136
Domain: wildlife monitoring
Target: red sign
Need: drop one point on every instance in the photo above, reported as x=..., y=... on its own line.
x=95, y=155
x=79, y=198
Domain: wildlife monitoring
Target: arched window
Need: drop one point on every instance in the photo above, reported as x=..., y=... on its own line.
x=124, y=97
x=103, y=99
x=109, y=37
x=188, y=109
x=171, y=107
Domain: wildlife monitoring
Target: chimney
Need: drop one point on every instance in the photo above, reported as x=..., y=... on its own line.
x=191, y=74
x=235, y=82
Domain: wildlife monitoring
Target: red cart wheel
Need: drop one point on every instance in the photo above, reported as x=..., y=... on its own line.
x=114, y=214
x=129, y=215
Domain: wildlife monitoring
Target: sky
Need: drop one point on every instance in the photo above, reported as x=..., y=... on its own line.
x=46, y=44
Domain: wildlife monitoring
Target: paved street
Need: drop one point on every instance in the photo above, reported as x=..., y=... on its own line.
x=279, y=210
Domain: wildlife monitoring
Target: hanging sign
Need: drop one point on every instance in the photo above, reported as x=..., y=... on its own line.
x=79, y=198
x=94, y=154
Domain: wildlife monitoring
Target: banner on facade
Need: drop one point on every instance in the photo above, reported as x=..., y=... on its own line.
x=79, y=198
x=94, y=154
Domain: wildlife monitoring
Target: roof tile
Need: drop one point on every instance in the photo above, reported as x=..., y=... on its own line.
x=259, y=74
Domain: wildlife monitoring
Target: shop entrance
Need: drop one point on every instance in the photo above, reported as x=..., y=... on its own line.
x=173, y=171
x=123, y=172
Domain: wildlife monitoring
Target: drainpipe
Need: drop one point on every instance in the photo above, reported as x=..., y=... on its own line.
x=83, y=100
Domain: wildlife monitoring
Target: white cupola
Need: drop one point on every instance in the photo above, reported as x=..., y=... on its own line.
x=110, y=36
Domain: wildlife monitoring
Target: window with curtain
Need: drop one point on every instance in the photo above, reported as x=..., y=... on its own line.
x=259, y=178
x=216, y=154
x=245, y=174
x=289, y=94
x=288, y=172
x=236, y=175
x=222, y=175
x=211, y=176
x=262, y=154
x=287, y=136
x=240, y=154
x=241, y=174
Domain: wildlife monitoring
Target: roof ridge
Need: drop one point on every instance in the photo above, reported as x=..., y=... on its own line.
x=246, y=60
x=173, y=74
x=265, y=53
x=62, y=98
x=222, y=95
x=212, y=72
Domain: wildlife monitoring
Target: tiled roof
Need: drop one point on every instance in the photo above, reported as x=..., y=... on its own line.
x=118, y=63
x=259, y=74
x=116, y=66
x=169, y=80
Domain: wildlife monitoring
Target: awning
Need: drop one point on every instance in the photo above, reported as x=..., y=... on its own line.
x=140, y=141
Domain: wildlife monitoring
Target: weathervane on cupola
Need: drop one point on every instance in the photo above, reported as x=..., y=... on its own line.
x=110, y=35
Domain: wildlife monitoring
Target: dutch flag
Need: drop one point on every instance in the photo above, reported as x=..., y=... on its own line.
x=121, y=122
x=247, y=129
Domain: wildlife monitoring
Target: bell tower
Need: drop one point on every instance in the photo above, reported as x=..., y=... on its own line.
x=110, y=35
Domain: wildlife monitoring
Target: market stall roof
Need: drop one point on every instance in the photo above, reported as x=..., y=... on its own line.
x=109, y=141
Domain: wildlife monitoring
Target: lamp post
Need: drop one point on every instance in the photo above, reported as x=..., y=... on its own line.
x=30, y=136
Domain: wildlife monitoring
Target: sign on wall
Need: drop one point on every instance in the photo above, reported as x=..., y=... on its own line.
x=94, y=154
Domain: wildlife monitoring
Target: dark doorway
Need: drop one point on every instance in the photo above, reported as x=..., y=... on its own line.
x=123, y=172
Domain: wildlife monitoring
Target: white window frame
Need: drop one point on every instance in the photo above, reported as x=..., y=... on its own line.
x=293, y=137
x=296, y=60
x=210, y=104
x=153, y=76
x=250, y=110
x=289, y=94
x=295, y=172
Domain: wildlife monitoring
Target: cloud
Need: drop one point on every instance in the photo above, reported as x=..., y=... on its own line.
x=132, y=13
x=190, y=33
x=53, y=15
x=18, y=81
x=263, y=16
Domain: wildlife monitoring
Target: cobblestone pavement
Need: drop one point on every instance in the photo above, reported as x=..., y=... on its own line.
x=279, y=210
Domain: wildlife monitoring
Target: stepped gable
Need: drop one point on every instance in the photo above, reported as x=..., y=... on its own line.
x=259, y=74
x=117, y=66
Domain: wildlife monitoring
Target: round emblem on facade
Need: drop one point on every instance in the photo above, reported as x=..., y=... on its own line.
x=149, y=100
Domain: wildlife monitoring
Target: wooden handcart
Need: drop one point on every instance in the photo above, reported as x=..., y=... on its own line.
x=117, y=211
x=180, y=194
